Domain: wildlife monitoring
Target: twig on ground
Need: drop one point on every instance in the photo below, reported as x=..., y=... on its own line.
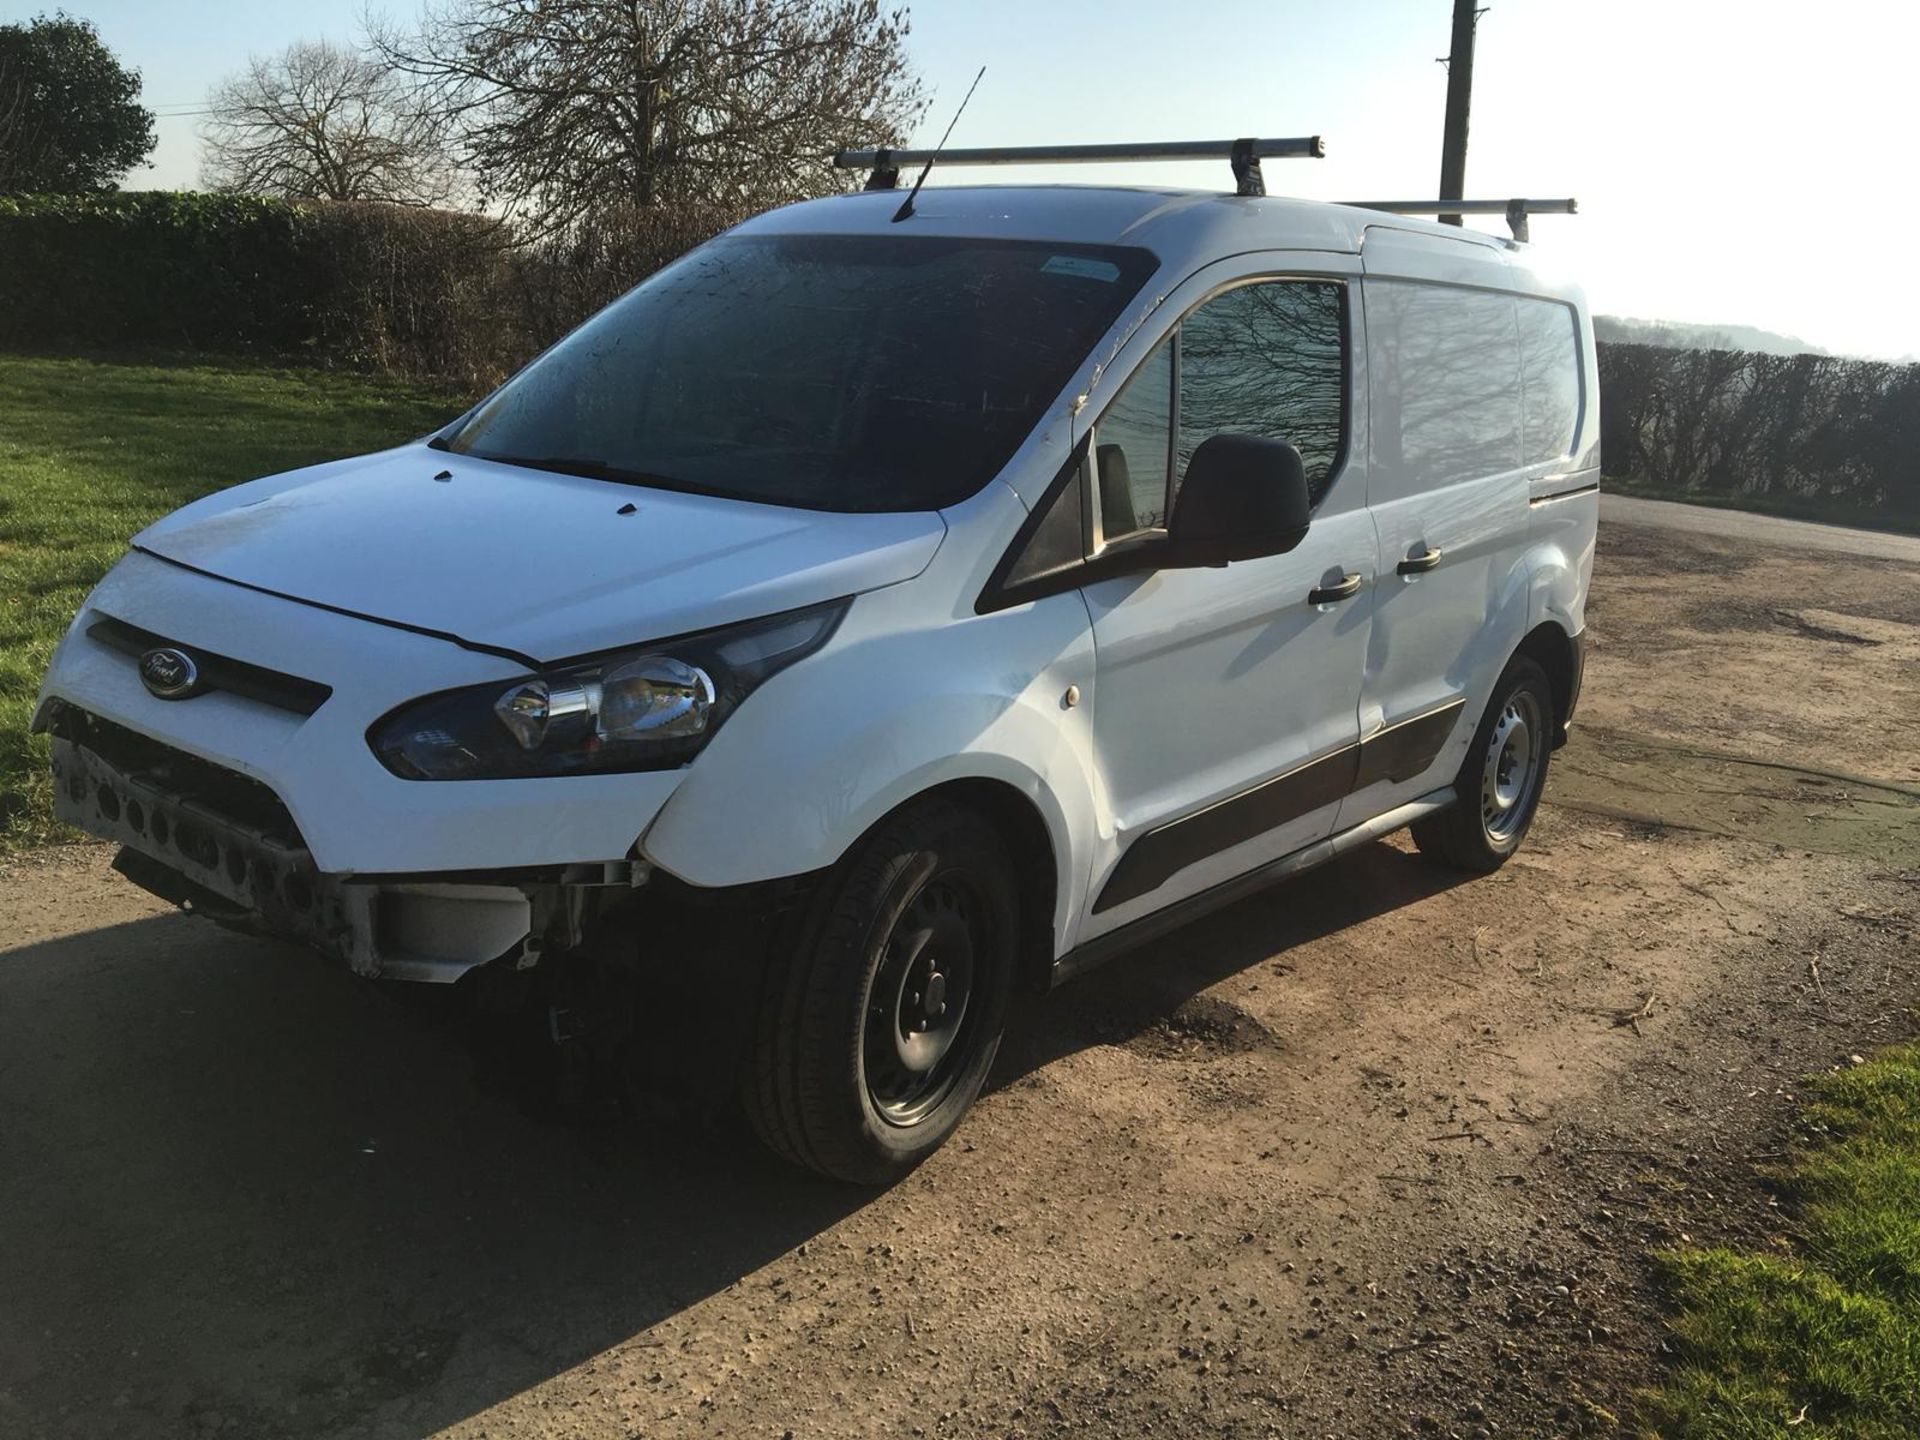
x=1413, y=1345
x=1726, y=916
x=1634, y=1019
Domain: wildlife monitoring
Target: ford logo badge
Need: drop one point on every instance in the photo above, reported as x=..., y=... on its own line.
x=169, y=673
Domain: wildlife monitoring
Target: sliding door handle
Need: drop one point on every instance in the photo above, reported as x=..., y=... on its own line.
x=1346, y=588
x=1420, y=564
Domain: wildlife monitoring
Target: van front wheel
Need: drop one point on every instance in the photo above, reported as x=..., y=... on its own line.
x=1500, y=781
x=878, y=1021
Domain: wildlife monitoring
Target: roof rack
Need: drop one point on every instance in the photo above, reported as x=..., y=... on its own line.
x=1516, y=211
x=1244, y=155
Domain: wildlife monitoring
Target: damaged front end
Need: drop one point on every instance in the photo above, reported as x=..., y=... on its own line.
x=222, y=845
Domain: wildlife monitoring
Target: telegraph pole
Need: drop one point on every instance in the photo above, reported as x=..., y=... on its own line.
x=1453, y=144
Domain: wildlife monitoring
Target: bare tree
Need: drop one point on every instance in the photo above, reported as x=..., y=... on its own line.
x=569, y=108
x=318, y=122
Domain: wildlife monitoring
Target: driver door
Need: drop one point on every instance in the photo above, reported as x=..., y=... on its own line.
x=1226, y=700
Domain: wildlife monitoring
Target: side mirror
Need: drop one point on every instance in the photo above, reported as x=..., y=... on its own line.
x=1243, y=497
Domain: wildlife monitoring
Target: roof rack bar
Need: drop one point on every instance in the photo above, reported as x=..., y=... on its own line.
x=1245, y=156
x=1516, y=211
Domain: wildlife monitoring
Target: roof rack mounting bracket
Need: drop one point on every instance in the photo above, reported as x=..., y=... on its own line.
x=886, y=172
x=1245, y=159
x=1517, y=219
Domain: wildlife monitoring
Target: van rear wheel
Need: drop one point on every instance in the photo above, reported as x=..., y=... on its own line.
x=1500, y=781
x=878, y=1020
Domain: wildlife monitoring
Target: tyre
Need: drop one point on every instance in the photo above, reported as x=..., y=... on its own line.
x=1500, y=782
x=880, y=1015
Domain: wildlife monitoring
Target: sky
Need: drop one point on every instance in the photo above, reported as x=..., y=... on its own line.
x=1714, y=145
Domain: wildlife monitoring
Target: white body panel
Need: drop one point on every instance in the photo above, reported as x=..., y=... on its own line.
x=1213, y=681
x=1438, y=483
x=1188, y=687
x=356, y=816
x=541, y=564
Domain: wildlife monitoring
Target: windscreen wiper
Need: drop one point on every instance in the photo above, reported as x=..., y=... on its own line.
x=587, y=466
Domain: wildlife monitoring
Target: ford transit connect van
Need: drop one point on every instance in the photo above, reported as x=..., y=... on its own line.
x=919, y=607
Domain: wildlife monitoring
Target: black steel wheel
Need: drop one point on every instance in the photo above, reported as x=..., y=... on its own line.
x=918, y=1008
x=881, y=1012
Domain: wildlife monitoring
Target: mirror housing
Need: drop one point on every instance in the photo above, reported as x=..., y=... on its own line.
x=1243, y=497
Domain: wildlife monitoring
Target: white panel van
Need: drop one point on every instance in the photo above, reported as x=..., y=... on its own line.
x=868, y=615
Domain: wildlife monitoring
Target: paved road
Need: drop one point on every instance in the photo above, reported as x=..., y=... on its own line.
x=1760, y=529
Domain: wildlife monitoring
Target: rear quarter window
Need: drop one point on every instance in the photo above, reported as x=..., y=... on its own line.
x=1550, y=373
x=1444, y=369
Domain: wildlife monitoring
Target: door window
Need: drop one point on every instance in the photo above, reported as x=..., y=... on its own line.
x=1132, y=448
x=1444, y=365
x=1267, y=360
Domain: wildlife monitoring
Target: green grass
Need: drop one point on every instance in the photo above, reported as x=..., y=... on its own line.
x=1832, y=1332
x=91, y=451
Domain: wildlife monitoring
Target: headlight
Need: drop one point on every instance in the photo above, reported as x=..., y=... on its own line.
x=650, y=708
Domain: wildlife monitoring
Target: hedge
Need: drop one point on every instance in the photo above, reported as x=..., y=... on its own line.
x=430, y=293
x=1813, y=435
x=196, y=271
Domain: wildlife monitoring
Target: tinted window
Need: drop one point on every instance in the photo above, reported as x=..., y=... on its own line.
x=1059, y=539
x=1550, y=371
x=1131, y=448
x=1267, y=360
x=836, y=372
x=1445, y=369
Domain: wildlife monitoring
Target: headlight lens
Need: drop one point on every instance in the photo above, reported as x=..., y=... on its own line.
x=651, y=708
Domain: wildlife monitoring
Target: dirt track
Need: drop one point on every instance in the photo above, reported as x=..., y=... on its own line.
x=1373, y=1154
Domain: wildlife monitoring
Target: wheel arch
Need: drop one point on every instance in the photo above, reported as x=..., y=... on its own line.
x=1552, y=648
x=1036, y=868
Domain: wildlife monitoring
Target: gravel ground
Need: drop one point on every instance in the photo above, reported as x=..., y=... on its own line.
x=1376, y=1154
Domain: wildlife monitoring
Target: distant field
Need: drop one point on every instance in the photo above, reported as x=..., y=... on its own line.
x=92, y=451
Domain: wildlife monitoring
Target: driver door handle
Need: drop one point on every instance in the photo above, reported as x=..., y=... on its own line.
x=1346, y=589
x=1420, y=564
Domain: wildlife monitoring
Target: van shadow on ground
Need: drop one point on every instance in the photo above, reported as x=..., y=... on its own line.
x=236, y=1183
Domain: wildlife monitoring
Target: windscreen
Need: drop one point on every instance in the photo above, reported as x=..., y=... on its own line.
x=832, y=372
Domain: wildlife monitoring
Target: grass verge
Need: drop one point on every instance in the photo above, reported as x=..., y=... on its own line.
x=1823, y=1343
x=91, y=451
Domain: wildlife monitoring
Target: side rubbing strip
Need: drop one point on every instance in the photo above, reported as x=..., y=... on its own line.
x=1564, y=494
x=1404, y=750
x=1159, y=855
x=1399, y=752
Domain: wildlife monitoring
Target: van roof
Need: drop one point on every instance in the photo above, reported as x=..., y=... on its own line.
x=1168, y=221
x=1185, y=229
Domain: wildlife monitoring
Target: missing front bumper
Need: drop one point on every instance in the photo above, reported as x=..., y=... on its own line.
x=264, y=881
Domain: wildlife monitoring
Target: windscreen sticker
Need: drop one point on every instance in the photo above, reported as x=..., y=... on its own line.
x=1086, y=269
